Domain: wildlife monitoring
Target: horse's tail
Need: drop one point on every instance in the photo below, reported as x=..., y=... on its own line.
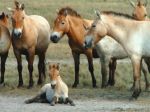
x=95, y=54
x=147, y=61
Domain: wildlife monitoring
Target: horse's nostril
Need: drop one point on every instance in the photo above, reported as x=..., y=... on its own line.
x=54, y=38
x=53, y=86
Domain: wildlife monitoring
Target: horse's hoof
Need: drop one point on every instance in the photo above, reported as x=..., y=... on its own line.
x=103, y=86
x=95, y=86
x=52, y=104
x=2, y=84
x=39, y=82
x=27, y=102
x=132, y=99
x=136, y=93
x=72, y=104
x=74, y=86
x=30, y=86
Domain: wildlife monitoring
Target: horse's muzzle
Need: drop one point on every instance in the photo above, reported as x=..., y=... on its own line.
x=54, y=38
x=16, y=35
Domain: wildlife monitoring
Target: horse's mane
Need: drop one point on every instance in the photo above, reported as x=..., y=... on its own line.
x=69, y=11
x=117, y=14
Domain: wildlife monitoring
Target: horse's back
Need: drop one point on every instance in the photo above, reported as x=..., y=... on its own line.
x=43, y=30
x=5, y=39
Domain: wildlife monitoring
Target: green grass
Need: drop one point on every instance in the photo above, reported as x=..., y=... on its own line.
x=61, y=52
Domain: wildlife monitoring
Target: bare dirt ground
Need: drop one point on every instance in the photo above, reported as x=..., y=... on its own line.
x=16, y=104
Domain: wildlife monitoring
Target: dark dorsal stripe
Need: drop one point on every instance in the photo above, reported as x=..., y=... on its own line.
x=69, y=11
x=117, y=14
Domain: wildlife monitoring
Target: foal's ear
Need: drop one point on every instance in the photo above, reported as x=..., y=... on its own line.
x=17, y=4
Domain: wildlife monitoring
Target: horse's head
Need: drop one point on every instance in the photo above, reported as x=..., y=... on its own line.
x=61, y=27
x=18, y=16
x=139, y=12
x=95, y=33
x=4, y=19
x=54, y=74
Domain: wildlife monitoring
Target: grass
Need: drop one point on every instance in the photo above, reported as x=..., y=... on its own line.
x=61, y=52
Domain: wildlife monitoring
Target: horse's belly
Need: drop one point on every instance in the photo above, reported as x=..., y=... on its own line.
x=108, y=47
x=4, y=44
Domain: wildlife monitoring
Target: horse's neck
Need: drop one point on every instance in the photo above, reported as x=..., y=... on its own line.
x=76, y=32
x=119, y=28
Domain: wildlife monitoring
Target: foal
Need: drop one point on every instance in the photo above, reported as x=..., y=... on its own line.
x=5, y=43
x=54, y=92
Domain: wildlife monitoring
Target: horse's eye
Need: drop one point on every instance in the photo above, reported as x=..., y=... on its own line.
x=22, y=17
x=63, y=23
x=93, y=26
x=145, y=15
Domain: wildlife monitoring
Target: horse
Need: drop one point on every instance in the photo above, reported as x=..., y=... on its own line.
x=54, y=92
x=5, y=43
x=132, y=35
x=30, y=37
x=139, y=12
x=69, y=22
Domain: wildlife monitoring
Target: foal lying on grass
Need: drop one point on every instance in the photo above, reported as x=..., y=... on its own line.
x=54, y=92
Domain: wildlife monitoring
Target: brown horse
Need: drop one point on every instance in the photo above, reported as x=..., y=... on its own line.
x=30, y=36
x=5, y=42
x=139, y=12
x=70, y=22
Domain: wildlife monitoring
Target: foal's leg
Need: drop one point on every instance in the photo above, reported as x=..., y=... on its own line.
x=30, y=59
x=54, y=100
x=19, y=62
x=76, y=58
x=145, y=72
x=91, y=67
x=136, y=63
x=3, y=60
x=68, y=100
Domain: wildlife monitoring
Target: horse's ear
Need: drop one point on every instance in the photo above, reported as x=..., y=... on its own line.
x=3, y=14
x=132, y=3
x=10, y=9
x=58, y=66
x=22, y=7
x=17, y=4
x=86, y=27
x=146, y=2
x=98, y=14
x=57, y=11
x=66, y=13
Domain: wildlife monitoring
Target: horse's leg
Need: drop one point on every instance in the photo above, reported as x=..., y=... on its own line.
x=41, y=68
x=113, y=68
x=147, y=61
x=30, y=59
x=19, y=62
x=68, y=100
x=136, y=63
x=145, y=72
x=3, y=60
x=76, y=58
x=104, y=71
x=91, y=68
x=110, y=73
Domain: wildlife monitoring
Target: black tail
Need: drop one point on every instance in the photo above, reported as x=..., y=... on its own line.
x=95, y=54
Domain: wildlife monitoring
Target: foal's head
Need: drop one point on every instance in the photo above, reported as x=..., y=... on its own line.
x=139, y=12
x=95, y=33
x=61, y=23
x=18, y=16
x=4, y=19
x=54, y=74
